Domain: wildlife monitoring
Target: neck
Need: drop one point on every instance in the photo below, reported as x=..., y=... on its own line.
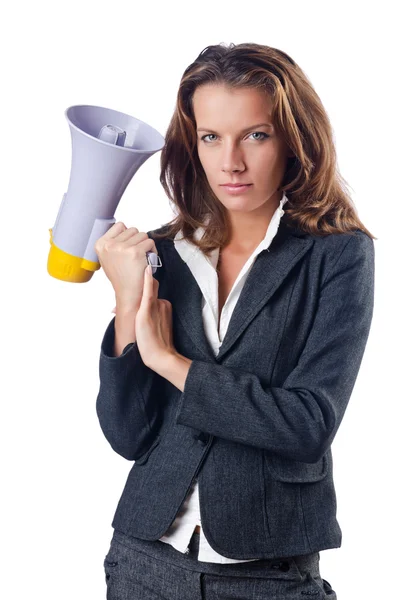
x=249, y=229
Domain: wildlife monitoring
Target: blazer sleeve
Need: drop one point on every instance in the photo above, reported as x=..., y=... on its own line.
x=300, y=419
x=127, y=404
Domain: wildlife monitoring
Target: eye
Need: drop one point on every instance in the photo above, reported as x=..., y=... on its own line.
x=204, y=136
x=261, y=133
x=265, y=135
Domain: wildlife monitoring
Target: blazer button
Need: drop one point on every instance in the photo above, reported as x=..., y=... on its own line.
x=202, y=437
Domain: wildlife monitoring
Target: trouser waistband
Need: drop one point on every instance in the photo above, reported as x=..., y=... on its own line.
x=283, y=567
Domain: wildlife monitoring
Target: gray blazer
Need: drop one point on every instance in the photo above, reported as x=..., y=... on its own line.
x=254, y=424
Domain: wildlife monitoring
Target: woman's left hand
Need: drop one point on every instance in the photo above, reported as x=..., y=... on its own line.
x=153, y=324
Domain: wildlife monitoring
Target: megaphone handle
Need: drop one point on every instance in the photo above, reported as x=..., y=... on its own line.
x=154, y=260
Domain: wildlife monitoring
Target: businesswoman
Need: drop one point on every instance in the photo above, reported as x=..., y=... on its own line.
x=225, y=375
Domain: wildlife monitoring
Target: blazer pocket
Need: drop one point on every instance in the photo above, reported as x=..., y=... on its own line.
x=142, y=459
x=295, y=471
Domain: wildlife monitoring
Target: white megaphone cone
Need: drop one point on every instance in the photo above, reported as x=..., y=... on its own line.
x=108, y=147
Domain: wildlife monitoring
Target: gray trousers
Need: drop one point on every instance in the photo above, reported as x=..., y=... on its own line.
x=143, y=570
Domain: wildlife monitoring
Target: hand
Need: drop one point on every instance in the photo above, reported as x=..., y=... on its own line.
x=153, y=325
x=122, y=255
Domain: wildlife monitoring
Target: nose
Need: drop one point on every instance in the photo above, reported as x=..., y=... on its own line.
x=232, y=159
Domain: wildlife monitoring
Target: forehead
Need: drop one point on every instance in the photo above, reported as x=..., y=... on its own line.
x=218, y=101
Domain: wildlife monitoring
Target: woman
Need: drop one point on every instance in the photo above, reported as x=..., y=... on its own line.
x=226, y=375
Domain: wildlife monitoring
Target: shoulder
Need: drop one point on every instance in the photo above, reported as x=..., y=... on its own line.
x=335, y=243
x=352, y=243
x=331, y=252
x=350, y=255
x=160, y=230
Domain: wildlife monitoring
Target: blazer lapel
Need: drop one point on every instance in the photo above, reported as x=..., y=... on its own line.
x=268, y=272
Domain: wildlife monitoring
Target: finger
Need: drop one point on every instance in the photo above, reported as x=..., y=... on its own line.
x=149, y=271
x=148, y=284
x=162, y=306
x=114, y=230
x=167, y=304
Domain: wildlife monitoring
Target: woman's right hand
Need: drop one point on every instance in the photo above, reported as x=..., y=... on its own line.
x=122, y=255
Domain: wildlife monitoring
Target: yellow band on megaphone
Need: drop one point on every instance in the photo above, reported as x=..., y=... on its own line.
x=67, y=267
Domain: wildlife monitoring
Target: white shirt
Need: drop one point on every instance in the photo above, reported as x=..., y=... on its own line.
x=204, y=271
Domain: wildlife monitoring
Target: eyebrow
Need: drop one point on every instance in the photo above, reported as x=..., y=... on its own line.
x=243, y=131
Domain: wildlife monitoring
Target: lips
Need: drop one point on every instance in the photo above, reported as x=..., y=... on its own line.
x=234, y=184
x=237, y=190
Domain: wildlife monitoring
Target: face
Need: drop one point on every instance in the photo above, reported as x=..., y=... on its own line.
x=234, y=144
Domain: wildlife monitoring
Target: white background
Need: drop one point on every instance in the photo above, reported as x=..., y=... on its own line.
x=61, y=480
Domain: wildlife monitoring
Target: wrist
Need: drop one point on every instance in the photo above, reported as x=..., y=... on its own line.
x=126, y=308
x=174, y=367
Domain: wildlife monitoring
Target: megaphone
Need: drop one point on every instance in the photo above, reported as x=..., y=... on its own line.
x=108, y=147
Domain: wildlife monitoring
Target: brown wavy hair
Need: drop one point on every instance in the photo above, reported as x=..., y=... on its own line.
x=319, y=202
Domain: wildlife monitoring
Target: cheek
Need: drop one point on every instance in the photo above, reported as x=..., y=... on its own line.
x=206, y=163
x=201, y=157
x=266, y=163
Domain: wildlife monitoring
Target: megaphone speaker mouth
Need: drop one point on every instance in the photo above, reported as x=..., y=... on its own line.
x=126, y=132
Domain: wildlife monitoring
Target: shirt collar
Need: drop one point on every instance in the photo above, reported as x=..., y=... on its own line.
x=187, y=250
